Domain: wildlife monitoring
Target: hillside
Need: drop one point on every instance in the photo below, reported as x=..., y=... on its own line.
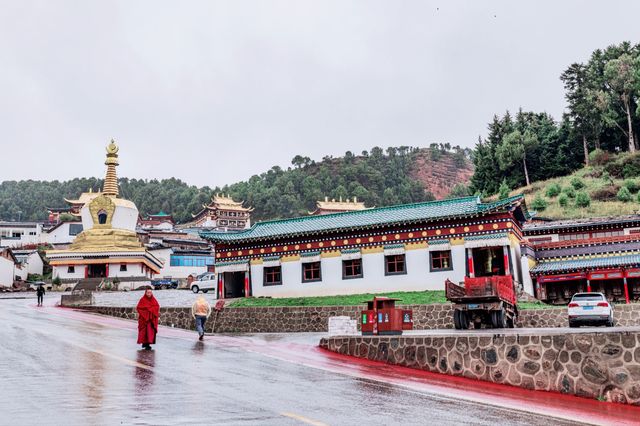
x=379, y=178
x=608, y=187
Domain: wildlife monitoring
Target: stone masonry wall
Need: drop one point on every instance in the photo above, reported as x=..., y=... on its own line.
x=315, y=319
x=593, y=365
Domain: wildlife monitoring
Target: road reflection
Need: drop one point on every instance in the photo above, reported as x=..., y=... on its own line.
x=144, y=374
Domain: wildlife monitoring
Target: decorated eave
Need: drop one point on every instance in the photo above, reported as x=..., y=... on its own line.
x=578, y=225
x=589, y=242
x=551, y=267
x=432, y=211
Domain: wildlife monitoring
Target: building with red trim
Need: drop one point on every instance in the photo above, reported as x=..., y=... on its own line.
x=596, y=254
x=398, y=248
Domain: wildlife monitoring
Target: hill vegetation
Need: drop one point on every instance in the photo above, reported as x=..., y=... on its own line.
x=602, y=114
x=609, y=186
x=379, y=178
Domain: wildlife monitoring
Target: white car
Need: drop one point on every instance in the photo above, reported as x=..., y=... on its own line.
x=590, y=308
x=204, y=283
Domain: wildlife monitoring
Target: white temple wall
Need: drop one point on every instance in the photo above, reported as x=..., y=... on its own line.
x=7, y=271
x=63, y=273
x=418, y=276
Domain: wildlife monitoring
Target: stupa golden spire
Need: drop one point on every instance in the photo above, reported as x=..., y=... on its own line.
x=110, y=187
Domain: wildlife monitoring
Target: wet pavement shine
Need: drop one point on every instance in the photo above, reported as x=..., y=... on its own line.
x=65, y=367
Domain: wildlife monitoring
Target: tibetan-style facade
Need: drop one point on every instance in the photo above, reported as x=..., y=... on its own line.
x=332, y=206
x=222, y=213
x=399, y=248
x=160, y=221
x=570, y=256
x=108, y=246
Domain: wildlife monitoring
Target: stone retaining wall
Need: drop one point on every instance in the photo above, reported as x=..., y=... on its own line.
x=593, y=365
x=315, y=319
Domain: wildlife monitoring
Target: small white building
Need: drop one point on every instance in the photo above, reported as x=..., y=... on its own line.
x=62, y=233
x=30, y=262
x=179, y=263
x=18, y=234
x=7, y=267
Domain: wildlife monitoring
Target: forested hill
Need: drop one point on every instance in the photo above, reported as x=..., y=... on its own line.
x=379, y=178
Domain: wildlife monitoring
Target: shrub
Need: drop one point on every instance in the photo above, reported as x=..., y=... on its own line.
x=539, y=203
x=631, y=185
x=626, y=166
x=577, y=183
x=598, y=157
x=624, y=195
x=563, y=200
x=607, y=193
x=583, y=199
x=553, y=190
x=56, y=281
x=504, y=190
x=631, y=166
x=571, y=193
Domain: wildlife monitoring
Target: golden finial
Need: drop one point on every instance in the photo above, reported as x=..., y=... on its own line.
x=111, y=179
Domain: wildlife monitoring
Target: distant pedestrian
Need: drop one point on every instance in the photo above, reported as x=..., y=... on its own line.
x=40, y=293
x=200, y=310
x=148, y=314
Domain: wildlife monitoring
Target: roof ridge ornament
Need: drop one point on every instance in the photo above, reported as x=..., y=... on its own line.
x=110, y=187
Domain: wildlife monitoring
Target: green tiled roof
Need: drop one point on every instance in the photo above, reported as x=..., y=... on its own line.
x=576, y=264
x=401, y=214
x=310, y=253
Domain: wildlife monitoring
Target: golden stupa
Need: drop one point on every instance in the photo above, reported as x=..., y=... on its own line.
x=109, y=222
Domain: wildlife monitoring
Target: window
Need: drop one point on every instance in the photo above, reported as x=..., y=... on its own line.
x=71, y=269
x=352, y=268
x=311, y=272
x=395, y=264
x=273, y=275
x=190, y=260
x=441, y=260
x=102, y=217
x=32, y=233
x=75, y=228
x=123, y=268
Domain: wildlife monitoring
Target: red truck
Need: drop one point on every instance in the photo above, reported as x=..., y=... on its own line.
x=483, y=300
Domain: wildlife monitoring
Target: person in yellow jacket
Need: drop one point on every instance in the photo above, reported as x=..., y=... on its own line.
x=200, y=310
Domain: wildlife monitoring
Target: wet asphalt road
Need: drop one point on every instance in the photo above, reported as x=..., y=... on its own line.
x=62, y=367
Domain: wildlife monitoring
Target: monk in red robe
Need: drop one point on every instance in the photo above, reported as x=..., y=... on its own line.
x=148, y=313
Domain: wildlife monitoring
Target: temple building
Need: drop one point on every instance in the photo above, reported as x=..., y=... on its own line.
x=597, y=254
x=108, y=246
x=398, y=248
x=158, y=222
x=222, y=213
x=333, y=206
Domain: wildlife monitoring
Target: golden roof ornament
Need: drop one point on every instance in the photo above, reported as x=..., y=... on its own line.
x=110, y=187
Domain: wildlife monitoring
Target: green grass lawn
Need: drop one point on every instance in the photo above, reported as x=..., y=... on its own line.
x=406, y=298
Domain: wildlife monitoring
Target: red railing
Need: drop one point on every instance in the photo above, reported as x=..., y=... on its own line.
x=498, y=285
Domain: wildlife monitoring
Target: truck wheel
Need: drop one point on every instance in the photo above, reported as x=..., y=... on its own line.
x=205, y=291
x=456, y=319
x=195, y=289
x=498, y=318
x=464, y=320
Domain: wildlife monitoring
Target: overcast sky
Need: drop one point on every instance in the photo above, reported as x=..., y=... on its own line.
x=212, y=92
